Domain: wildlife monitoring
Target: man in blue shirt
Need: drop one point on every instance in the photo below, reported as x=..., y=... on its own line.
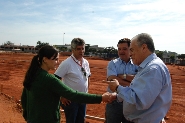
x=123, y=70
x=149, y=96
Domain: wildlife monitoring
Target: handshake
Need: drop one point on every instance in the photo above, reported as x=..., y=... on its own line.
x=108, y=97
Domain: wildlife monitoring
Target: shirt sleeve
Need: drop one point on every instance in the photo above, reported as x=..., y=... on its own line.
x=62, y=69
x=23, y=103
x=111, y=69
x=88, y=69
x=141, y=91
x=63, y=90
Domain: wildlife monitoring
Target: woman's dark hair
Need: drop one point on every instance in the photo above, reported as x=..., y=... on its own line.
x=45, y=51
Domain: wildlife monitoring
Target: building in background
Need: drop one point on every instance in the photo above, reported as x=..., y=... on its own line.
x=92, y=50
x=18, y=48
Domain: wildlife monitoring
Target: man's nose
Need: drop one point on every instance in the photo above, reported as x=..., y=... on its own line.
x=130, y=54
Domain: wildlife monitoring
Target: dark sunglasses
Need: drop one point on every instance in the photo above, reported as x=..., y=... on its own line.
x=83, y=70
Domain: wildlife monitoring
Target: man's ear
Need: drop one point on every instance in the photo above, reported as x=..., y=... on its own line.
x=144, y=47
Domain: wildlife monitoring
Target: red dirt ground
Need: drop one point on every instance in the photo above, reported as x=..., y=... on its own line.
x=13, y=67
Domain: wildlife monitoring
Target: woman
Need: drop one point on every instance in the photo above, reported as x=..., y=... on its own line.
x=42, y=91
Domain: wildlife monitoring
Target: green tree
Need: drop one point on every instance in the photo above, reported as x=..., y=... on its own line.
x=110, y=50
x=63, y=49
x=87, y=49
x=41, y=44
x=160, y=54
x=172, y=58
x=93, y=50
x=182, y=56
x=8, y=43
x=99, y=51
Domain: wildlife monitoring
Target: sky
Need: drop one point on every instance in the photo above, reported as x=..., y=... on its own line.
x=98, y=22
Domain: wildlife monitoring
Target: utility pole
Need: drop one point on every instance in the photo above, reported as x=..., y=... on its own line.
x=63, y=38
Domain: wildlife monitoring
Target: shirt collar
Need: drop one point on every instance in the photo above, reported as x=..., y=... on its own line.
x=123, y=62
x=148, y=59
x=76, y=59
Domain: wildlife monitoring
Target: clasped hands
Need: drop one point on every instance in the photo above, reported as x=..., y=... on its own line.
x=108, y=97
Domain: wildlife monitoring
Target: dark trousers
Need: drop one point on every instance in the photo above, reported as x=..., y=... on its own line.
x=114, y=113
x=75, y=112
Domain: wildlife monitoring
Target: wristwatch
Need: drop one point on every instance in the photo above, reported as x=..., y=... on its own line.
x=124, y=76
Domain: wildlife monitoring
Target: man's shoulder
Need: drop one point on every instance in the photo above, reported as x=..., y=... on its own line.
x=115, y=60
x=85, y=60
x=156, y=63
x=65, y=64
x=67, y=60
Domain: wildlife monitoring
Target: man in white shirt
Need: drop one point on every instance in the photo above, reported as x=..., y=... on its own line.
x=75, y=73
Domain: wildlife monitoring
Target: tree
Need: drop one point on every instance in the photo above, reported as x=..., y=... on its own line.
x=87, y=46
x=111, y=52
x=182, y=56
x=99, y=51
x=160, y=54
x=107, y=49
x=63, y=49
x=8, y=43
x=93, y=50
x=172, y=58
x=41, y=44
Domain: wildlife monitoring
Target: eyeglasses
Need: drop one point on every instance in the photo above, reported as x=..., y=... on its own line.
x=83, y=70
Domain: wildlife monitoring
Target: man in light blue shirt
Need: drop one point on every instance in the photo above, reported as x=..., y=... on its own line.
x=123, y=70
x=149, y=96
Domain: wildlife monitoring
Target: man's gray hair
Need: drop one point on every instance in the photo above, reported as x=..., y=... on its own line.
x=77, y=42
x=145, y=38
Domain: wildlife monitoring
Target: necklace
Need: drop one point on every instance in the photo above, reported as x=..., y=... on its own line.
x=82, y=69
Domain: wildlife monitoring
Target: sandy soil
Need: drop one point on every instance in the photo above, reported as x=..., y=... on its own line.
x=13, y=67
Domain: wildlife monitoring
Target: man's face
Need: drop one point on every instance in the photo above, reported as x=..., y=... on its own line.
x=79, y=51
x=123, y=51
x=135, y=52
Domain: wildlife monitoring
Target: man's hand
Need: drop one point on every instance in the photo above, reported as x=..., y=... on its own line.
x=120, y=79
x=113, y=97
x=108, y=97
x=65, y=101
x=112, y=84
x=105, y=97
